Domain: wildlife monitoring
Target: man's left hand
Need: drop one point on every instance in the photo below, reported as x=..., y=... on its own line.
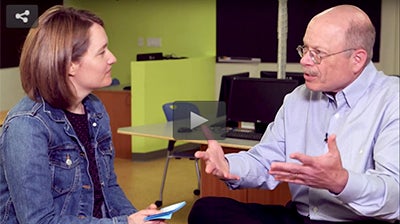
x=325, y=171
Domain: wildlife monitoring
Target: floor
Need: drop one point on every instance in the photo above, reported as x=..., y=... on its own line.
x=141, y=183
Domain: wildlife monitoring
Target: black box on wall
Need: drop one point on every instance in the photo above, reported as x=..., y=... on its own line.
x=149, y=56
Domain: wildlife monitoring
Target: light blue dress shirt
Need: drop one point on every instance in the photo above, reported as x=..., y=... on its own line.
x=365, y=118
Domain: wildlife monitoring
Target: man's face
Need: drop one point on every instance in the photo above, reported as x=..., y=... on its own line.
x=333, y=73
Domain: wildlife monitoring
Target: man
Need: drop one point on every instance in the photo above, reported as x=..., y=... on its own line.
x=335, y=140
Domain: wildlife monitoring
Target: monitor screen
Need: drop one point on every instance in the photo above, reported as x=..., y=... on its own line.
x=225, y=89
x=299, y=76
x=257, y=99
x=226, y=84
x=268, y=74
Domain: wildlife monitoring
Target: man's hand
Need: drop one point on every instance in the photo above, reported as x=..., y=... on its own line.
x=138, y=217
x=215, y=161
x=325, y=171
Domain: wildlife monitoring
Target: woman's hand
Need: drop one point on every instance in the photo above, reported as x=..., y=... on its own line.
x=139, y=216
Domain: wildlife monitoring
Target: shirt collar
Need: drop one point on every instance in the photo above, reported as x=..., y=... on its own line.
x=353, y=92
x=359, y=86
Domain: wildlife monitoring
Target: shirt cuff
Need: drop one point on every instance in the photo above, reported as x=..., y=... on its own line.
x=350, y=191
x=233, y=159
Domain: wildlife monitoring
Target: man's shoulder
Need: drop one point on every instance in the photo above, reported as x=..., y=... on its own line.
x=387, y=84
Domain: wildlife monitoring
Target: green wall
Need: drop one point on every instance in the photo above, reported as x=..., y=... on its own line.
x=186, y=28
x=157, y=82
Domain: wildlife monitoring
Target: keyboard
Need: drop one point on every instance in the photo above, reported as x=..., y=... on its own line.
x=249, y=135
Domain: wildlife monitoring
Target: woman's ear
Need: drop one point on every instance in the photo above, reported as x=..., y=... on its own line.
x=73, y=67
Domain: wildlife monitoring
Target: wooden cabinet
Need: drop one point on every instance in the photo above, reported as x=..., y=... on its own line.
x=3, y=115
x=118, y=105
x=212, y=186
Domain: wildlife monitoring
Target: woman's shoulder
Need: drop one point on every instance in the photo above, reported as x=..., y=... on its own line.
x=24, y=114
x=25, y=106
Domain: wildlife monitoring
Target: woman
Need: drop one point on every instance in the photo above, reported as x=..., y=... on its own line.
x=56, y=154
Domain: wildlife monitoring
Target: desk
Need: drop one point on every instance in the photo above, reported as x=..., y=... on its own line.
x=3, y=115
x=164, y=131
x=210, y=185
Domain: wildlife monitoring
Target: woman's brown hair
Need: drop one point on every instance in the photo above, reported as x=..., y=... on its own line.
x=60, y=37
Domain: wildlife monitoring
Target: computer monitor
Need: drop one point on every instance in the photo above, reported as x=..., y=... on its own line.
x=226, y=84
x=299, y=76
x=257, y=100
x=224, y=91
x=269, y=74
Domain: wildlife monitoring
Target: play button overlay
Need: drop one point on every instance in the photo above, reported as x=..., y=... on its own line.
x=196, y=120
x=190, y=117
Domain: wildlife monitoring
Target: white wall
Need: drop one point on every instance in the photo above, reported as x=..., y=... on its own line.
x=390, y=50
x=10, y=88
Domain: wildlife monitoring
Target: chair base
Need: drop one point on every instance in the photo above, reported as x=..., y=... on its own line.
x=182, y=151
x=196, y=192
x=158, y=203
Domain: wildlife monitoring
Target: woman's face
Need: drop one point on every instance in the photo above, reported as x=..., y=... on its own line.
x=93, y=70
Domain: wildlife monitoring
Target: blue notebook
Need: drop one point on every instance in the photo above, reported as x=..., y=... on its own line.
x=166, y=212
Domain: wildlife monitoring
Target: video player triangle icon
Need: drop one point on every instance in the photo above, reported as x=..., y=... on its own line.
x=196, y=120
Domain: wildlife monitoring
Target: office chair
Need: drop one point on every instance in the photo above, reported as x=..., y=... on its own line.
x=186, y=150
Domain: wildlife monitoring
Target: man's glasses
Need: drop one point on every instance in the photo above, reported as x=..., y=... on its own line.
x=316, y=56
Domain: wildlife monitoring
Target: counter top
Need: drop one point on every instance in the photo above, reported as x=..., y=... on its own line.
x=114, y=88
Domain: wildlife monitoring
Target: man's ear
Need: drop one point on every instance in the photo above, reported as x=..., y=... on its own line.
x=359, y=58
x=73, y=67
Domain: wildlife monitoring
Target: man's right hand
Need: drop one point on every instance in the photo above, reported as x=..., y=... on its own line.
x=215, y=161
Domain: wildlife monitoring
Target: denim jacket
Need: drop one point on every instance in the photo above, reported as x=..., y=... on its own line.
x=44, y=174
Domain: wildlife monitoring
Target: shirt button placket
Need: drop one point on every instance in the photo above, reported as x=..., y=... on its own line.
x=315, y=209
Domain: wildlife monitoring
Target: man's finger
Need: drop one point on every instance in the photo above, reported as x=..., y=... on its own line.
x=232, y=177
x=213, y=144
x=303, y=158
x=332, y=146
x=207, y=132
x=201, y=155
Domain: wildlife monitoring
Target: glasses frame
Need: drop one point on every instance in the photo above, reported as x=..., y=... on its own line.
x=316, y=56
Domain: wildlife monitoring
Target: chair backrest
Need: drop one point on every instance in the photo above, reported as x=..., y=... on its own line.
x=183, y=110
